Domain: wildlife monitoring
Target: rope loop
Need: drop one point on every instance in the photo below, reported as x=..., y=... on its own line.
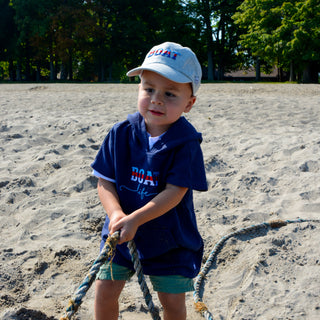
x=199, y=281
x=108, y=252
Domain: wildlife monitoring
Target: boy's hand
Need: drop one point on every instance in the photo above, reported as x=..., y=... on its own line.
x=127, y=227
x=159, y=205
x=114, y=218
x=110, y=201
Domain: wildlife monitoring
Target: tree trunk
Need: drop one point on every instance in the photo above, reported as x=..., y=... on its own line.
x=64, y=72
x=19, y=76
x=280, y=75
x=12, y=74
x=220, y=71
x=221, y=44
x=70, y=69
x=110, y=72
x=38, y=73
x=310, y=73
x=52, y=71
x=210, y=65
x=53, y=74
x=101, y=72
x=292, y=72
x=206, y=15
x=258, y=69
x=28, y=67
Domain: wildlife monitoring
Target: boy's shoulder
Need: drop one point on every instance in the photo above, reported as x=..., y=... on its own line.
x=184, y=130
x=131, y=121
x=132, y=128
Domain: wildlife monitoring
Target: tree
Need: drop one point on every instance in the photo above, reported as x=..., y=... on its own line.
x=226, y=35
x=205, y=10
x=98, y=60
x=8, y=37
x=33, y=20
x=218, y=32
x=177, y=24
x=102, y=39
x=305, y=43
x=283, y=33
x=67, y=24
x=134, y=30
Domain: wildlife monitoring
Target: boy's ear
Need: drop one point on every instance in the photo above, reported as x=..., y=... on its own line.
x=190, y=104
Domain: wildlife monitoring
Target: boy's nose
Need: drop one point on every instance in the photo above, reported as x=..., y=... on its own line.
x=157, y=99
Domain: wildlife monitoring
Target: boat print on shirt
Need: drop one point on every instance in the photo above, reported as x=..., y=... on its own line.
x=144, y=178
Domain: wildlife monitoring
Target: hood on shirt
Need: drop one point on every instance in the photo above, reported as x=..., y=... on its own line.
x=179, y=133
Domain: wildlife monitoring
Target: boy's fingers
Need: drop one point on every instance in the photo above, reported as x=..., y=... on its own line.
x=123, y=238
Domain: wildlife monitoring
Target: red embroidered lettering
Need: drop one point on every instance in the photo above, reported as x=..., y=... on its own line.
x=158, y=52
x=167, y=53
x=151, y=53
x=141, y=176
x=175, y=54
x=134, y=174
x=149, y=179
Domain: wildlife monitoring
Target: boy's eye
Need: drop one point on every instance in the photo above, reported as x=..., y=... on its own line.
x=170, y=95
x=149, y=90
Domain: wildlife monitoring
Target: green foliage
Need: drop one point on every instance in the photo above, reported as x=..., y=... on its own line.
x=281, y=32
x=93, y=39
x=4, y=70
x=219, y=34
x=8, y=31
x=99, y=40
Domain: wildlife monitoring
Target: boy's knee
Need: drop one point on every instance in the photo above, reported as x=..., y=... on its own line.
x=173, y=303
x=107, y=293
x=108, y=290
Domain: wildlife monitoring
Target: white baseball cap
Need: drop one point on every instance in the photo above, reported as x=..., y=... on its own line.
x=174, y=62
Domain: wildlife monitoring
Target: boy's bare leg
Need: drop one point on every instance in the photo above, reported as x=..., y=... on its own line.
x=174, y=306
x=106, y=305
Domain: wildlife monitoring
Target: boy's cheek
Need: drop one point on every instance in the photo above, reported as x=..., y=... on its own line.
x=143, y=103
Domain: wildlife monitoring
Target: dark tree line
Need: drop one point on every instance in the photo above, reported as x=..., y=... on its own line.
x=99, y=40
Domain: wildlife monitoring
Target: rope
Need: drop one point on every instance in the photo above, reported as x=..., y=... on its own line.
x=142, y=282
x=107, y=252
x=199, y=281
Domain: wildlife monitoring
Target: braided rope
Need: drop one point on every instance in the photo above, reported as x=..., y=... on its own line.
x=199, y=281
x=107, y=252
x=142, y=282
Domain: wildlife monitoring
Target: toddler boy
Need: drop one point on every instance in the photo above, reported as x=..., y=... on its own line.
x=147, y=167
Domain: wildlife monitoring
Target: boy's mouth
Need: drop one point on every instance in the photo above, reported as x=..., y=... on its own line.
x=156, y=113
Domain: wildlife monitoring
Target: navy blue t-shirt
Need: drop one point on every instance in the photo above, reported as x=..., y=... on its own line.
x=170, y=244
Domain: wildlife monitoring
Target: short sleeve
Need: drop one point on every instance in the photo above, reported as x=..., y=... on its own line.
x=188, y=168
x=103, y=164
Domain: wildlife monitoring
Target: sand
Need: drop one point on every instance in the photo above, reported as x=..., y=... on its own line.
x=261, y=145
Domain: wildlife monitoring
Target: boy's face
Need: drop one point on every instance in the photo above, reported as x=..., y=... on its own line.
x=161, y=101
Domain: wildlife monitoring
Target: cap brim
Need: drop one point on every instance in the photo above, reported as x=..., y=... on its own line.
x=162, y=70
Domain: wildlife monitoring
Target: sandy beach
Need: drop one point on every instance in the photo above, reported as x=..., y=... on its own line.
x=261, y=146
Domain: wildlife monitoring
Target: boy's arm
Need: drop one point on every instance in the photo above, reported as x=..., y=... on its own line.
x=110, y=201
x=159, y=205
